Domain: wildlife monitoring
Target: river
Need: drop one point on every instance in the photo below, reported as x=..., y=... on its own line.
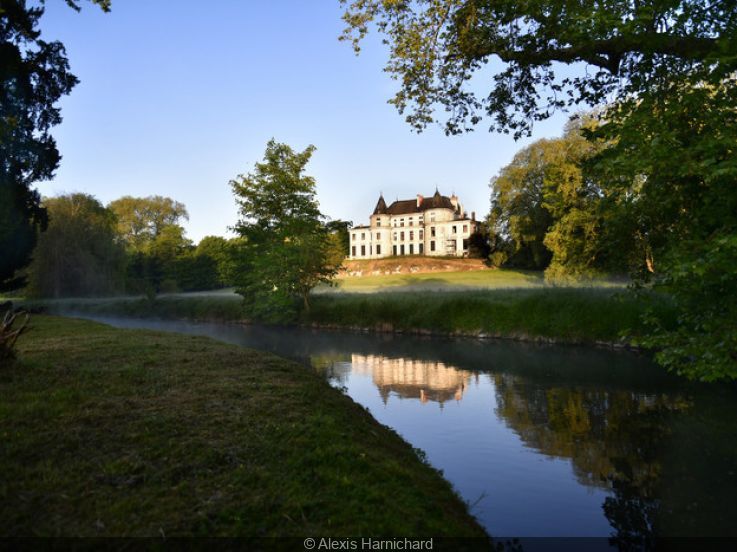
x=540, y=440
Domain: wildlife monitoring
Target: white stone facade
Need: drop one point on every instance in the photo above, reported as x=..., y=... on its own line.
x=432, y=226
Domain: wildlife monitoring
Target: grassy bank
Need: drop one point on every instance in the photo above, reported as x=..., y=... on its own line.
x=122, y=432
x=567, y=315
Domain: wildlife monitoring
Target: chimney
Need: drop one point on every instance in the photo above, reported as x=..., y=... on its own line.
x=454, y=201
x=419, y=200
x=473, y=216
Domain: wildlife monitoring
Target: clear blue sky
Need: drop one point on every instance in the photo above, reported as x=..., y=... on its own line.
x=177, y=98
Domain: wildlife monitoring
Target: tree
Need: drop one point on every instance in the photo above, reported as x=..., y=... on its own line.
x=150, y=228
x=338, y=241
x=80, y=253
x=285, y=245
x=221, y=251
x=518, y=214
x=141, y=220
x=438, y=46
x=34, y=75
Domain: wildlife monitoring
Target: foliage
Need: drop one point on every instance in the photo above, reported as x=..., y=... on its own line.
x=149, y=226
x=141, y=220
x=223, y=253
x=701, y=278
x=341, y=229
x=478, y=243
x=678, y=147
x=549, y=213
x=80, y=253
x=285, y=247
x=34, y=75
x=437, y=47
x=519, y=218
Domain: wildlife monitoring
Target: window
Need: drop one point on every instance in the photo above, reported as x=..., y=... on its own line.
x=401, y=249
x=411, y=222
x=401, y=222
x=378, y=222
x=363, y=251
x=411, y=235
x=378, y=236
x=455, y=229
x=432, y=246
x=432, y=217
x=395, y=236
x=371, y=249
x=465, y=228
x=432, y=231
x=395, y=250
x=354, y=236
x=378, y=250
x=401, y=236
x=422, y=234
x=411, y=249
x=353, y=251
x=363, y=235
x=421, y=249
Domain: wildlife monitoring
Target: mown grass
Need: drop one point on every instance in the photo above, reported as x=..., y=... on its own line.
x=128, y=432
x=456, y=281
x=441, y=280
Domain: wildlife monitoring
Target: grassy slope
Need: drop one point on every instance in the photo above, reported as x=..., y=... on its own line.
x=121, y=432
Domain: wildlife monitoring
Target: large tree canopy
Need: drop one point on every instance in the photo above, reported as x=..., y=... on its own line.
x=80, y=253
x=630, y=47
x=142, y=220
x=34, y=75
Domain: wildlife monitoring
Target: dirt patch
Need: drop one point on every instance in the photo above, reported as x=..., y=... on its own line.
x=408, y=265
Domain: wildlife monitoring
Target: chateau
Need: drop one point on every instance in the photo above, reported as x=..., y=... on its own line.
x=435, y=225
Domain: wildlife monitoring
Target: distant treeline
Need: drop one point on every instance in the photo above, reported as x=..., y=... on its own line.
x=133, y=245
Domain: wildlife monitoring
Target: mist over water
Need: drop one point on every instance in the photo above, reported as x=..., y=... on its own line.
x=540, y=440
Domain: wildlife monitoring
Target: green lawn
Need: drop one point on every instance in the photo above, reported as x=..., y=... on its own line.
x=109, y=432
x=453, y=281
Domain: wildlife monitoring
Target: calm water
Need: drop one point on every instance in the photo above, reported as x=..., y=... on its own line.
x=540, y=440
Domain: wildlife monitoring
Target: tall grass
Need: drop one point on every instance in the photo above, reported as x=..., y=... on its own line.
x=563, y=314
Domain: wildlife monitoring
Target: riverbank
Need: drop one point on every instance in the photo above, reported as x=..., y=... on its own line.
x=595, y=316
x=110, y=432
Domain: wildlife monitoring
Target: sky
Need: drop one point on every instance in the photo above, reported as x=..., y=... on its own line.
x=178, y=98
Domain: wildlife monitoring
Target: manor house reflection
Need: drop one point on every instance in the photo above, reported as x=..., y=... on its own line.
x=413, y=379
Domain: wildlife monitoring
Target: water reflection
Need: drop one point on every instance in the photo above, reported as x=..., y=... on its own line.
x=542, y=440
x=413, y=379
